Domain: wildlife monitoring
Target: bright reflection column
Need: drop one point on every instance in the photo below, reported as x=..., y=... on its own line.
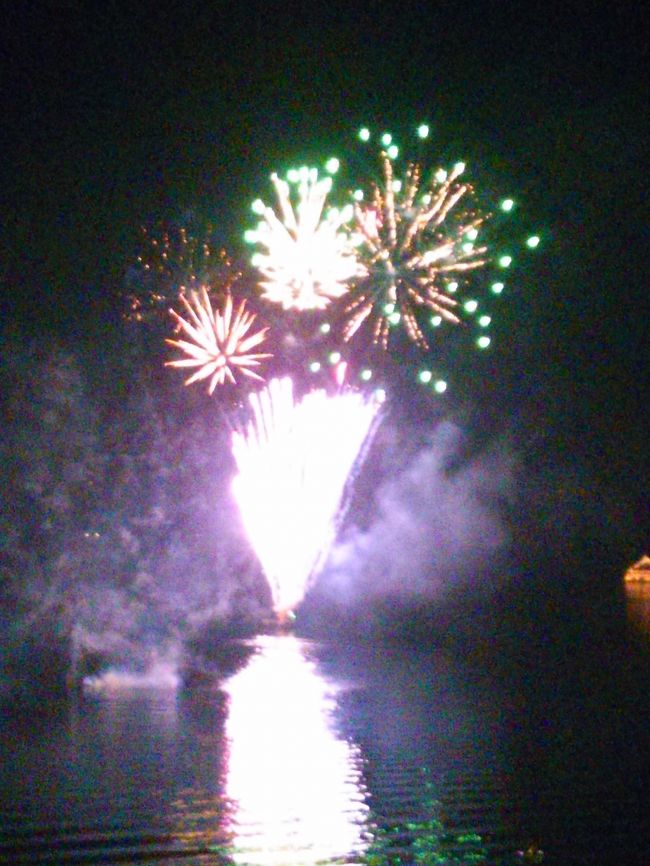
x=294, y=784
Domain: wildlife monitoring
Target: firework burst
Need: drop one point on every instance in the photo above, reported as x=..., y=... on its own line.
x=173, y=259
x=414, y=240
x=308, y=259
x=220, y=340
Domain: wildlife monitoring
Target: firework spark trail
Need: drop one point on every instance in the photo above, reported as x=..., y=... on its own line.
x=295, y=460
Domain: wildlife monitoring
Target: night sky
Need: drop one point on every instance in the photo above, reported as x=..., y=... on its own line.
x=119, y=116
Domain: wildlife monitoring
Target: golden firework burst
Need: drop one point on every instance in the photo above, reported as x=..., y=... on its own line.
x=411, y=252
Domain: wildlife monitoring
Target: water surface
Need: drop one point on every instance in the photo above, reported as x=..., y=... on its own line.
x=534, y=738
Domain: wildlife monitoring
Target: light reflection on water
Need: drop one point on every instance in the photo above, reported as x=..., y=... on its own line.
x=294, y=784
x=637, y=600
x=542, y=742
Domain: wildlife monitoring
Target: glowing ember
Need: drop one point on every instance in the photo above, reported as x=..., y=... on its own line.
x=220, y=343
x=295, y=460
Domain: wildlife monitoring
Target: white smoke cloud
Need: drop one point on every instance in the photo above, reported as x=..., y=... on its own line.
x=438, y=521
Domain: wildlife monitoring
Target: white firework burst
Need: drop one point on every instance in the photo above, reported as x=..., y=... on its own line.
x=309, y=256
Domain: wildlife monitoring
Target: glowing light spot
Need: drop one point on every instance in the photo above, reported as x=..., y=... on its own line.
x=394, y=318
x=332, y=165
x=334, y=357
x=452, y=287
x=258, y=207
x=459, y=168
x=533, y=241
x=314, y=366
x=440, y=386
x=423, y=131
x=467, y=247
x=441, y=175
x=325, y=328
x=386, y=139
x=472, y=234
x=484, y=321
x=505, y=261
x=392, y=151
x=470, y=306
x=380, y=395
x=365, y=375
x=497, y=288
x=293, y=175
x=364, y=134
x=357, y=195
x=507, y=205
x=396, y=185
x=483, y=342
x=436, y=321
x=251, y=236
x=425, y=376
x=389, y=308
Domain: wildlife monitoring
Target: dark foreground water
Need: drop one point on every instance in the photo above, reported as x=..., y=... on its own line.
x=532, y=737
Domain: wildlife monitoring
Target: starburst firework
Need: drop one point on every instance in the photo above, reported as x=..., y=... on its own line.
x=220, y=340
x=413, y=238
x=309, y=259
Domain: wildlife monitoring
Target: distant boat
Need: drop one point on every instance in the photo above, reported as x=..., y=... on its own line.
x=639, y=572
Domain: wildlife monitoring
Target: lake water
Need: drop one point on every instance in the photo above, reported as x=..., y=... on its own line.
x=533, y=737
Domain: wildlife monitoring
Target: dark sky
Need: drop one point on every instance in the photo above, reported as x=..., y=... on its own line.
x=113, y=116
